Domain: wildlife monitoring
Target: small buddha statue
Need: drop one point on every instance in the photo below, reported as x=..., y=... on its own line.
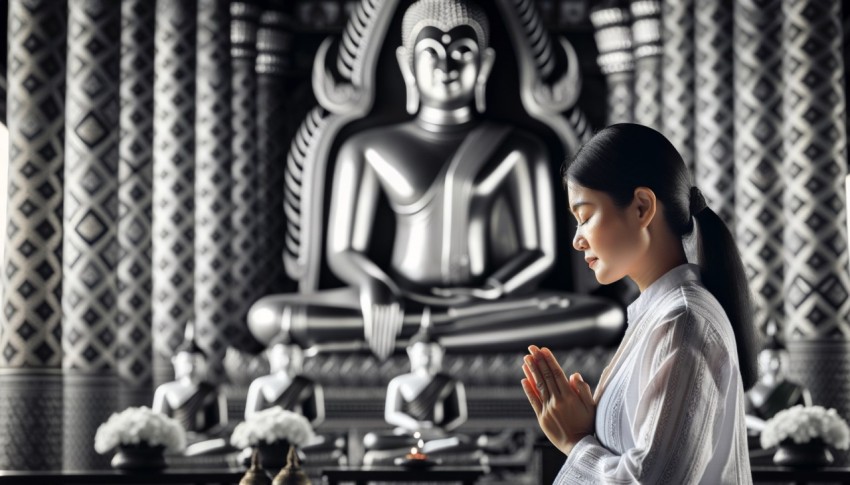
x=774, y=392
x=194, y=402
x=426, y=405
x=425, y=400
x=286, y=386
x=473, y=202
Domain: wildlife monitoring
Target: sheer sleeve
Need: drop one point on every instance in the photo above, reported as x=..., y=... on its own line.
x=682, y=380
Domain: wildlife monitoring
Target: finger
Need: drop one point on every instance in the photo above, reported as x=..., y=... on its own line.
x=546, y=372
x=582, y=389
x=557, y=372
x=530, y=378
x=539, y=383
x=531, y=394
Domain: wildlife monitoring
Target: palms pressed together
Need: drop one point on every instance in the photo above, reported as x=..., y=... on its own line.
x=565, y=407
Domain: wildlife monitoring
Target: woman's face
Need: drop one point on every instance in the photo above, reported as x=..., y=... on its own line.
x=609, y=236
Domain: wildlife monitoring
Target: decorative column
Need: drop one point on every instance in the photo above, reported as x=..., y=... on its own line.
x=214, y=316
x=90, y=247
x=677, y=76
x=758, y=154
x=30, y=325
x=135, y=174
x=247, y=212
x=273, y=136
x=815, y=242
x=173, y=221
x=714, y=163
x=646, y=41
x=616, y=60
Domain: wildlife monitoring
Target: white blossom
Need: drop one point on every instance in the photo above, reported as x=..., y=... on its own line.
x=271, y=425
x=804, y=423
x=139, y=425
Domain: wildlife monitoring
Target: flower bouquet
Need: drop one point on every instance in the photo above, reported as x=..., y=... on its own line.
x=801, y=434
x=142, y=436
x=272, y=430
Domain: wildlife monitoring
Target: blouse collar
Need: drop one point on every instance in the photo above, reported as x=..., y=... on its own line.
x=669, y=280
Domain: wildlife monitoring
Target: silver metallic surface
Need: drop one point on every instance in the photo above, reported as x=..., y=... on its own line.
x=472, y=200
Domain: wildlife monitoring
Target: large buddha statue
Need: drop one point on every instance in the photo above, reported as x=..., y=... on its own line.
x=473, y=207
x=198, y=405
x=286, y=386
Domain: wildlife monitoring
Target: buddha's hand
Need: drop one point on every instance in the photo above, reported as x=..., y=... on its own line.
x=564, y=407
x=383, y=316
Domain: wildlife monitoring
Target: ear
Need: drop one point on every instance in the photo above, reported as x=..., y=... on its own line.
x=403, y=57
x=488, y=57
x=646, y=204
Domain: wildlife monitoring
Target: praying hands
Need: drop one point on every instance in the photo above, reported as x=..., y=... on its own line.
x=564, y=406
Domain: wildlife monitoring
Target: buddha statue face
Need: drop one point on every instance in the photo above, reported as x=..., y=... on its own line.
x=444, y=56
x=425, y=356
x=772, y=364
x=286, y=358
x=190, y=365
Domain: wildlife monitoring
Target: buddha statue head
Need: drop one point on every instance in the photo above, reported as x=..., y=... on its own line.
x=287, y=358
x=425, y=356
x=189, y=360
x=444, y=58
x=773, y=359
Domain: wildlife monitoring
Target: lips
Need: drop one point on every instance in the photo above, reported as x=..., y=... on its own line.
x=591, y=261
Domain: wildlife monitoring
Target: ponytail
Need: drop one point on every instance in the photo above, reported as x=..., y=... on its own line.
x=722, y=273
x=643, y=157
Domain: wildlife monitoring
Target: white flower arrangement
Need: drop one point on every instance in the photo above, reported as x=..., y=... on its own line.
x=804, y=423
x=137, y=425
x=271, y=425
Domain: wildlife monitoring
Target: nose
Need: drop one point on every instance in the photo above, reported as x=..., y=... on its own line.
x=579, y=242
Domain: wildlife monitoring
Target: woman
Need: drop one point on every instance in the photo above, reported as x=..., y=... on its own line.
x=669, y=407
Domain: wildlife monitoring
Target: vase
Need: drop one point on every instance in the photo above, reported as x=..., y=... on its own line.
x=141, y=457
x=811, y=454
x=273, y=455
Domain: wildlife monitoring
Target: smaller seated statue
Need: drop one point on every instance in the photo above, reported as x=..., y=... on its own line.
x=198, y=405
x=425, y=400
x=773, y=392
x=426, y=404
x=286, y=386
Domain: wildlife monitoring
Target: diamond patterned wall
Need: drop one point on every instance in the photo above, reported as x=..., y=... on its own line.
x=30, y=419
x=173, y=220
x=90, y=246
x=646, y=35
x=677, y=77
x=214, y=316
x=816, y=282
x=758, y=153
x=31, y=333
x=135, y=173
x=714, y=106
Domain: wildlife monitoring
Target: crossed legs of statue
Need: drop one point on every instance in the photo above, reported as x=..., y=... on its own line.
x=333, y=318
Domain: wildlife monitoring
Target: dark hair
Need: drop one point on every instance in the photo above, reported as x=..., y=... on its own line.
x=642, y=157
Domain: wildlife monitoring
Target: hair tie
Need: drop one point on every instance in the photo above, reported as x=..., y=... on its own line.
x=697, y=201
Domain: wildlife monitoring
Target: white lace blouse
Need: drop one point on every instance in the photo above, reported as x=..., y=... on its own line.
x=670, y=405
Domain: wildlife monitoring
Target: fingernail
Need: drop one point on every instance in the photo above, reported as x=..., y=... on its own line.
x=579, y=377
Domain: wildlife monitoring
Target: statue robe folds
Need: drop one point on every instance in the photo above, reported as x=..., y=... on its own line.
x=200, y=412
x=462, y=248
x=424, y=406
